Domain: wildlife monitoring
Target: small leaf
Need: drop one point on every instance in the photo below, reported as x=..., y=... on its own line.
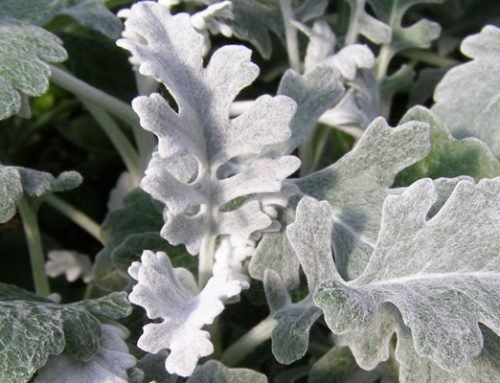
x=109, y=364
x=214, y=371
x=171, y=294
x=70, y=263
x=465, y=115
x=25, y=51
x=17, y=181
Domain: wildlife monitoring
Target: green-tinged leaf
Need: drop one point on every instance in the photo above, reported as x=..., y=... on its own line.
x=449, y=157
x=357, y=184
x=339, y=366
x=475, y=110
x=423, y=88
x=32, y=331
x=290, y=337
x=14, y=293
x=139, y=214
x=438, y=276
x=17, y=181
x=90, y=13
x=153, y=366
x=112, y=306
x=213, y=371
x=24, y=53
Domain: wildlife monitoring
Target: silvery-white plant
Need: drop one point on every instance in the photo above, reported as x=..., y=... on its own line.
x=390, y=253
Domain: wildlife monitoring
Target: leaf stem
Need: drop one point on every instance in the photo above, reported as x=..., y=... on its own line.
x=121, y=143
x=37, y=259
x=248, y=342
x=356, y=10
x=292, y=42
x=429, y=58
x=75, y=215
x=206, y=259
x=85, y=91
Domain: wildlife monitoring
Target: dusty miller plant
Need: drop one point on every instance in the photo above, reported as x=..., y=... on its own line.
x=296, y=237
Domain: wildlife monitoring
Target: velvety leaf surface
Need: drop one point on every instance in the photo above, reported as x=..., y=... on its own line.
x=90, y=13
x=438, y=277
x=358, y=183
x=475, y=111
x=214, y=371
x=32, y=331
x=190, y=172
x=24, y=53
x=173, y=296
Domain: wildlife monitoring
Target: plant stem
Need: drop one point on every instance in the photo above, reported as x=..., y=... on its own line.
x=292, y=43
x=248, y=342
x=85, y=91
x=75, y=215
x=429, y=58
x=206, y=259
x=37, y=259
x=354, y=19
x=121, y=143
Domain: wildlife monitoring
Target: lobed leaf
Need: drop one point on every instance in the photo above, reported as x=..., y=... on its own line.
x=25, y=53
x=204, y=159
x=172, y=295
x=437, y=277
x=475, y=112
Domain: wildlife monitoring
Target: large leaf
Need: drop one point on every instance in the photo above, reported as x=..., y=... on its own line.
x=449, y=157
x=475, y=111
x=190, y=172
x=18, y=181
x=24, y=53
x=357, y=184
x=90, y=13
x=437, y=277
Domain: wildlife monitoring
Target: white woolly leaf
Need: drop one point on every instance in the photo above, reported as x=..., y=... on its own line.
x=200, y=136
x=24, y=53
x=357, y=185
x=70, y=263
x=474, y=113
x=438, y=276
x=109, y=364
x=171, y=295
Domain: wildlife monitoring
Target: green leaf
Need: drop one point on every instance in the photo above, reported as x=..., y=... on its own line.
x=24, y=53
x=449, y=157
x=214, y=371
x=90, y=13
x=112, y=306
x=357, y=185
x=19, y=181
x=437, y=277
x=32, y=331
x=475, y=111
